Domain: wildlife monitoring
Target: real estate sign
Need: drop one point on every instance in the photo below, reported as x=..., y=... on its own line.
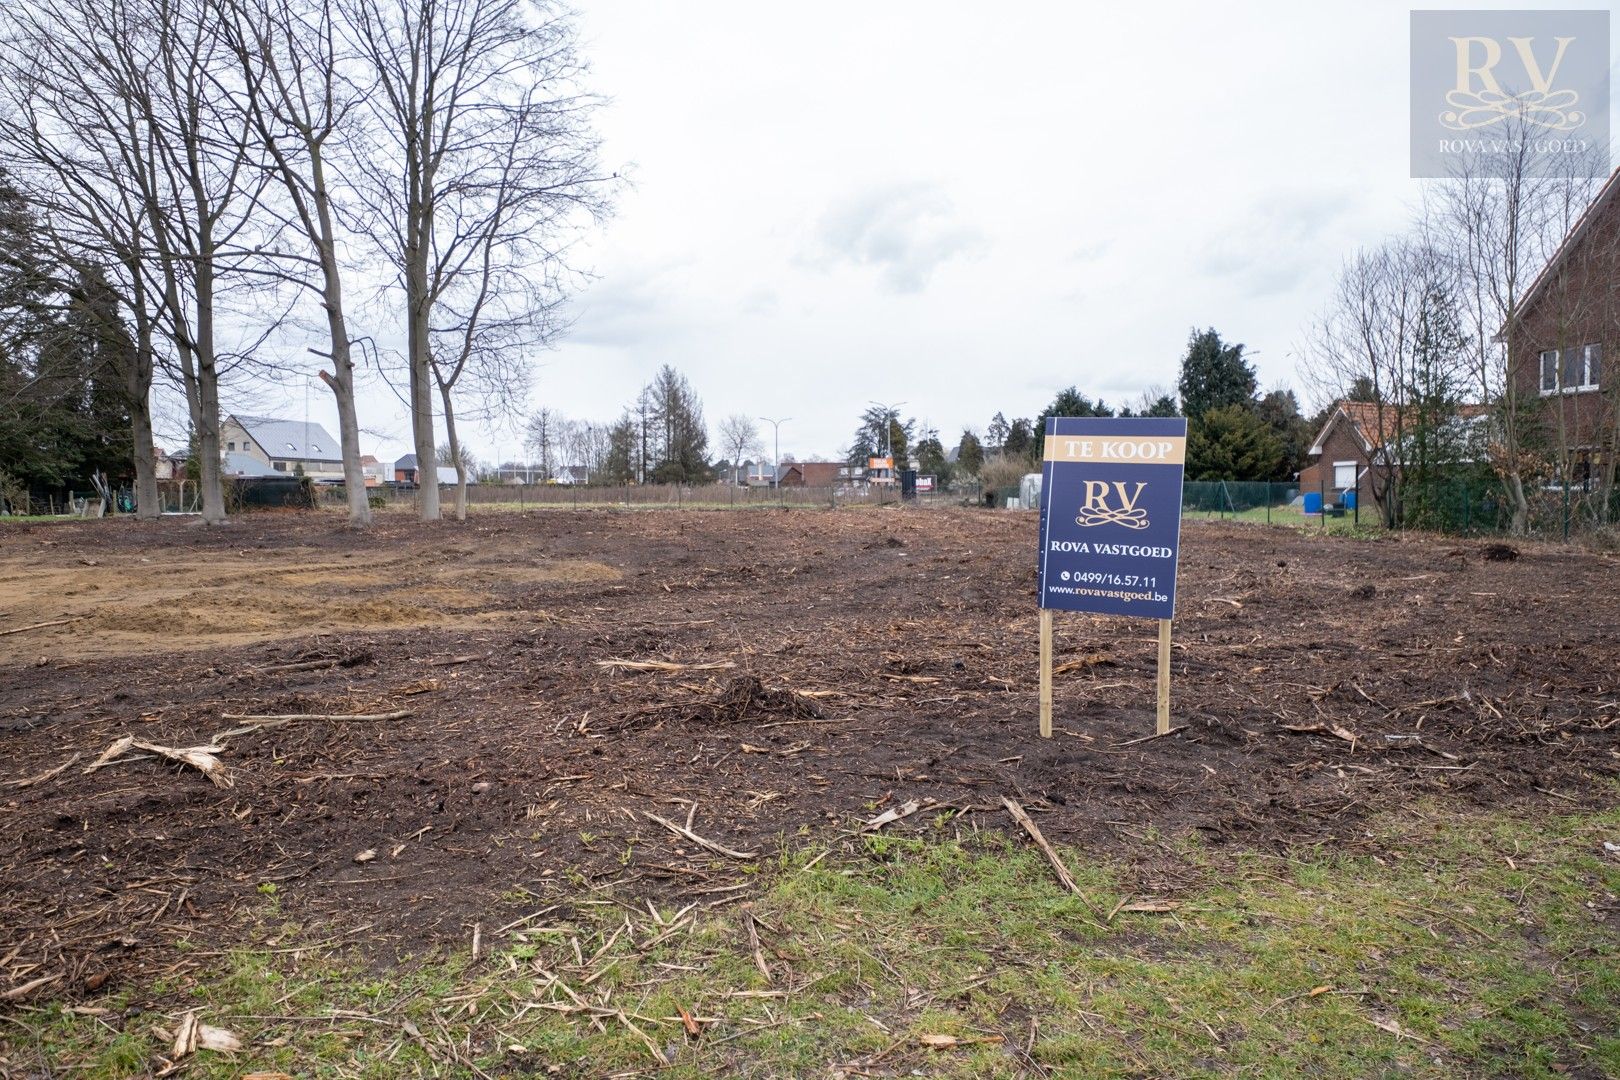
x=1111, y=514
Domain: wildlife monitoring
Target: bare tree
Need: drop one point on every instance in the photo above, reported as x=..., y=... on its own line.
x=93, y=216
x=540, y=439
x=739, y=435
x=483, y=164
x=299, y=102
x=1382, y=329
x=1501, y=216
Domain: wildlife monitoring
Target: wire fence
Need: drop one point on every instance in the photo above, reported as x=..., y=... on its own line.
x=646, y=496
x=1467, y=506
x=1462, y=505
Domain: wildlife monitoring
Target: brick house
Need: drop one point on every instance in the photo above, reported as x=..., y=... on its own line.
x=1344, y=451
x=810, y=473
x=1350, y=450
x=1565, y=337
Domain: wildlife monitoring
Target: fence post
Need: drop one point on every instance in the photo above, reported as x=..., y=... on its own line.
x=1566, y=504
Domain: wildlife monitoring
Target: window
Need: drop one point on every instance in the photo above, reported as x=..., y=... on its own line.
x=315, y=447
x=1571, y=370
x=231, y=445
x=1344, y=474
x=281, y=466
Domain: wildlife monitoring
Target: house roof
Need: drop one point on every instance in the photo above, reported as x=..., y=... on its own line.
x=1364, y=419
x=1362, y=416
x=290, y=438
x=406, y=462
x=239, y=464
x=1593, y=211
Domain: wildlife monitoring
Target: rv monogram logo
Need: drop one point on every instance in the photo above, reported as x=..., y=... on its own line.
x=1095, y=508
x=1479, y=101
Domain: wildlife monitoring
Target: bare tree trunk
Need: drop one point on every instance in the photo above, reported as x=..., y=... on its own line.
x=455, y=457
x=294, y=94
x=422, y=391
x=138, y=385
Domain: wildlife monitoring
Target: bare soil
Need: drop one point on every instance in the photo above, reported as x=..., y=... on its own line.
x=875, y=657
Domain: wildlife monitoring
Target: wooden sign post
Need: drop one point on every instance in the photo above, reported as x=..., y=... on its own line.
x=1046, y=673
x=1111, y=530
x=1163, y=727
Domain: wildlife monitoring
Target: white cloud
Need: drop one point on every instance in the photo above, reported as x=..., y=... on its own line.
x=905, y=231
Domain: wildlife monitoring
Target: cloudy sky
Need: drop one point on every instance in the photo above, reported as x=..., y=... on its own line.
x=961, y=207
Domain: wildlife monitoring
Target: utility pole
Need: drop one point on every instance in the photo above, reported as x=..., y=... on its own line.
x=891, y=416
x=776, y=455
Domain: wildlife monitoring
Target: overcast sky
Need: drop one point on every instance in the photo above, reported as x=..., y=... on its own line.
x=962, y=207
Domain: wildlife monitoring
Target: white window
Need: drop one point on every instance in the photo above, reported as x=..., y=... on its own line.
x=1344, y=474
x=1549, y=371
x=1571, y=370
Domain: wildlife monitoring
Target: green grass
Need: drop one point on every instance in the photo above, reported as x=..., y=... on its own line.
x=1292, y=517
x=1480, y=947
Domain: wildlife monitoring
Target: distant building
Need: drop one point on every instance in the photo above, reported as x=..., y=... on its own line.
x=239, y=464
x=810, y=473
x=406, y=473
x=283, y=446
x=376, y=472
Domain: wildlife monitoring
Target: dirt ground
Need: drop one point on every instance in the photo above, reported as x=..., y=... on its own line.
x=838, y=664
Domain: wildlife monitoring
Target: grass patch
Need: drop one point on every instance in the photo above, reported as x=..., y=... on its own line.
x=1479, y=947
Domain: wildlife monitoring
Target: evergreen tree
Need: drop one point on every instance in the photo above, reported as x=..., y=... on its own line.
x=680, y=454
x=1214, y=375
x=970, y=455
x=1070, y=402
x=1162, y=406
x=1021, y=441
x=1233, y=443
x=1279, y=409
x=930, y=454
x=1435, y=448
x=624, y=442
x=881, y=430
x=997, y=432
x=1362, y=389
x=63, y=355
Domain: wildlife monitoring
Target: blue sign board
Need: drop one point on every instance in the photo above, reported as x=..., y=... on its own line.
x=1111, y=514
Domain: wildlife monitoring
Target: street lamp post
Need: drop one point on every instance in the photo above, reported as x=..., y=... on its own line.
x=890, y=415
x=776, y=454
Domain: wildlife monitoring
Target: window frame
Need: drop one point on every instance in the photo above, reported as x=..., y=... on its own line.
x=1553, y=369
x=1355, y=475
x=1586, y=377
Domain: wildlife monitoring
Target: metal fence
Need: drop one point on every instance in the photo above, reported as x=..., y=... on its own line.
x=646, y=496
x=1464, y=505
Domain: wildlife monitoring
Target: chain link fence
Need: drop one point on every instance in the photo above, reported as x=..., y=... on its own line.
x=1465, y=505
x=646, y=496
